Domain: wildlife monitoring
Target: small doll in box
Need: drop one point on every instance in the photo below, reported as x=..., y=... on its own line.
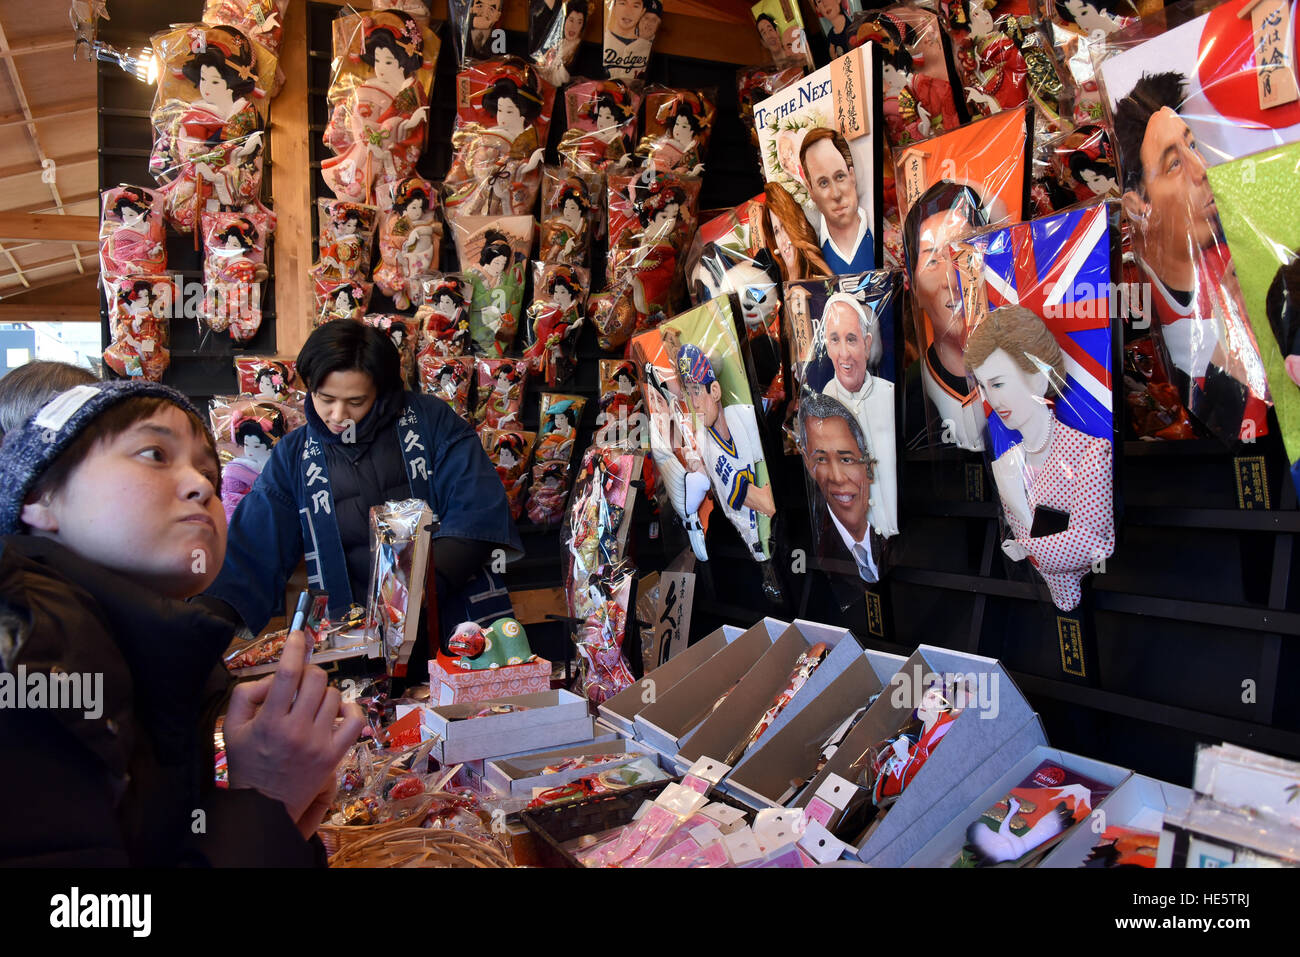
x=891, y=765
x=602, y=125
x=686, y=118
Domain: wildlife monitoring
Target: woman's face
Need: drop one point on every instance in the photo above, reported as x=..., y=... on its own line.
x=507, y=458
x=131, y=217
x=826, y=9
x=605, y=118
x=1013, y=395
x=387, y=69
x=560, y=425
x=508, y=114
x=682, y=132
x=415, y=208
x=496, y=267
x=893, y=79
x=212, y=86
x=1098, y=183
x=785, y=249
x=563, y=298
x=574, y=24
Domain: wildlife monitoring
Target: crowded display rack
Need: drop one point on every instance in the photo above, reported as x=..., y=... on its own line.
x=977, y=239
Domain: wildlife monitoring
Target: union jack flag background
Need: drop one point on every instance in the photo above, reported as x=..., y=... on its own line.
x=1060, y=268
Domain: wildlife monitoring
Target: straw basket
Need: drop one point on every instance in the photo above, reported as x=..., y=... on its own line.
x=419, y=847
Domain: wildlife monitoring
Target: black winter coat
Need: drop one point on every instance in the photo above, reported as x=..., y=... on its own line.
x=122, y=788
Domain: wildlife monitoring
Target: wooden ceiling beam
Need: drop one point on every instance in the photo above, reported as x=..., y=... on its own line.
x=19, y=227
x=77, y=289
x=66, y=312
x=28, y=169
x=56, y=112
x=42, y=44
x=41, y=159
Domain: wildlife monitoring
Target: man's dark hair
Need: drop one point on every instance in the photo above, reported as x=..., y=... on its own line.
x=940, y=198
x=24, y=390
x=1282, y=306
x=819, y=133
x=1148, y=97
x=343, y=346
x=769, y=18
x=113, y=422
x=818, y=405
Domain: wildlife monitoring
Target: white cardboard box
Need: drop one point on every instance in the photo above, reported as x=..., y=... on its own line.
x=947, y=841
x=667, y=722
x=984, y=740
x=620, y=711
x=1139, y=802
x=553, y=718
x=519, y=774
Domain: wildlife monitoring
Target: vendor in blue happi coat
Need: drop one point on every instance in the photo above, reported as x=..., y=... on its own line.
x=367, y=441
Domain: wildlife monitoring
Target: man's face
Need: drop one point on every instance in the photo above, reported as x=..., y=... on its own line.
x=835, y=462
x=767, y=33
x=343, y=398
x=826, y=8
x=1180, y=205
x=706, y=401
x=831, y=183
x=935, y=277
x=484, y=13
x=145, y=504
x=625, y=16
x=846, y=346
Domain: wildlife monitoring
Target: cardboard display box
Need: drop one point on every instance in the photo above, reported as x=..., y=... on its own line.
x=449, y=684
x=947, y=841
x=1140, y=802
x=674, y=714
x=885, y=664
x=985, y=740
x=733, y=720
x=520, y=774
x=762, y=777
x=553, y=718
x=620, y=711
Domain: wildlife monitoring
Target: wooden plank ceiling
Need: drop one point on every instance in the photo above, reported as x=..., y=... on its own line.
x=47, y=123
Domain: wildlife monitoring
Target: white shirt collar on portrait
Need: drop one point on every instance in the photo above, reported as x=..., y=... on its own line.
x=857, y=241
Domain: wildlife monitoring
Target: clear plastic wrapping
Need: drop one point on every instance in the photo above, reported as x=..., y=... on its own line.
x=510, y=450
x=132, y=235
x=247, y=429
x=378, y=97
x=268, y=378
x=404, y=334
x=410, y=240
x=443, y=315
x=842, y=331
x=500, y=392
x=334, y=299
x=503, y=116
x=1257, y=198
x=555, y=319
x=757, y=83
x=570, y=207
x=781, y=32
x=1071, y=168
x=1192, y=95
x=602, y=118
x=208, y=118
x=1078, y=30
x=1039, y=347
x=630, y=29
x=950, y=186
x=475, y=28
x=494, y=253
x=555, y=33
x=621, y=411
x=447, y=377
x=399, y=541
x=677, y=128
x=558, y=418
x=139, y=326
x=234, y=268
x=345, y=240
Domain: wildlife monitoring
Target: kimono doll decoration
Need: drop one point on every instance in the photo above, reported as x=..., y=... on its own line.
x=650, y=229
x=918, y=102
x=268, y=378
x=443, y=316
x=339, y=300
x=403, y=333
x=474, y=24
x=1002, y=61
x=132, y=236
x=555, y=318
x=262, y=21
x=208, y=118
x=503, y=116
x=494, y=254
x=889, y=768
x=555, y=34
x=255, y=435
x=558, y=419
x=234, y=268
x=678, y=123
x=509, y=450
x=547, y=492
x=630, y=28
x=378, y=100
x=602, y=125
x=500, y=392
x=138, y=327
x=410, y=239
x=1074, y=167
x=1079, y=30
x=600, y=599
x=346, y=233
x=620, y=401
x=447, y=377
x=567, y=216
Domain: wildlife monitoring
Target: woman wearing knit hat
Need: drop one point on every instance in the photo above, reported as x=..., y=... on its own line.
x=111, y=518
